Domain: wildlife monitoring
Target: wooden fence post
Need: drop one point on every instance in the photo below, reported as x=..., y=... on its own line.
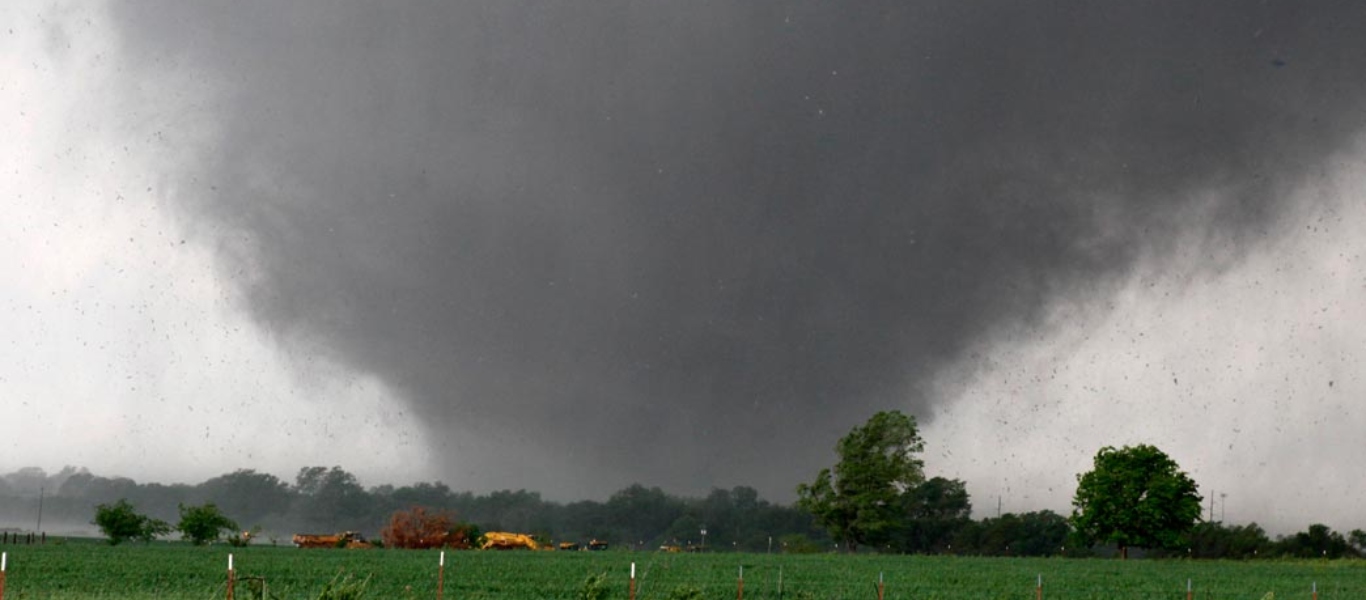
x=441, y=576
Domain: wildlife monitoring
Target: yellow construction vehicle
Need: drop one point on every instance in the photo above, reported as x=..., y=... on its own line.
x=501, y=540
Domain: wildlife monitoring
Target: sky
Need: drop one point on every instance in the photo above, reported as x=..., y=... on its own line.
x=567, y=248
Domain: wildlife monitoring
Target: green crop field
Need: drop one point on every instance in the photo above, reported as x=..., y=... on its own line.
x=82, y=570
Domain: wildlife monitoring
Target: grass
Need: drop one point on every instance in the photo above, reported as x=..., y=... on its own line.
x=92, y=570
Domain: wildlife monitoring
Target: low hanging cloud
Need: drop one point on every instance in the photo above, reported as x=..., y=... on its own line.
x=691, y=244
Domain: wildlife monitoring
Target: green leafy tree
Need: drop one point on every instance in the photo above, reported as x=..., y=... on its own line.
x=641, y=513
x=331, y=500
x=684, y=531
x=1135, y=496
x=995, y=536
x=420, y=494
x=936, y=510
x=1319, y=541
x=1217, y=540
x=1042, y=533
x=203, y=524
x=1357, y=538
x=120, y=522
x=859, y=500
x=246, y=494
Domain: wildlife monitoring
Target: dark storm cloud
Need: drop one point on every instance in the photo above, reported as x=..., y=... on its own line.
x=690, y=243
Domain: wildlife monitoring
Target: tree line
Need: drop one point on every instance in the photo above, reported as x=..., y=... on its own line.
x=1136, y=497
x=331, y=499
x=876, y=498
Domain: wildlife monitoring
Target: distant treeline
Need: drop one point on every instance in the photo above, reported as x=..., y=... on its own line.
x=325, y=500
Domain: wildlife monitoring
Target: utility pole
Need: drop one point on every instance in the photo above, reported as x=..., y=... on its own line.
x=39, y=528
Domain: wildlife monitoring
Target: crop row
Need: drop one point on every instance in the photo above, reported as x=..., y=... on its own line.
x=171, y=571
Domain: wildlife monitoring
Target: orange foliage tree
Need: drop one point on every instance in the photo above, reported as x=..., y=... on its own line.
x=416, y=528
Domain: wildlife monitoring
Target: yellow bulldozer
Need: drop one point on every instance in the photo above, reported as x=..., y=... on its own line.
x=500, y=540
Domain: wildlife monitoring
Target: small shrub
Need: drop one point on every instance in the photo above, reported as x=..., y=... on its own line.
x=255, y=588
x=796, y=543
x=593, y=588
x=244, y=538
x=417, y=528
x=344, y=587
